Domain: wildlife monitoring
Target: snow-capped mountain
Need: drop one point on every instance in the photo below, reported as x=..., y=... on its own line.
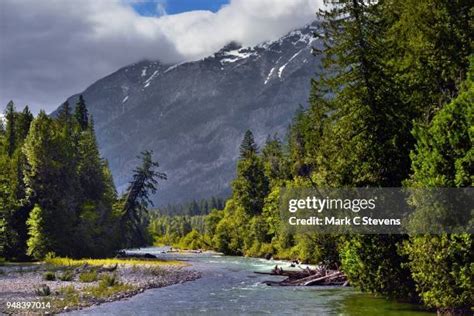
x=193, y=115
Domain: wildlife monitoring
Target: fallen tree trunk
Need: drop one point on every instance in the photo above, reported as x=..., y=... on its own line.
x=307, y=277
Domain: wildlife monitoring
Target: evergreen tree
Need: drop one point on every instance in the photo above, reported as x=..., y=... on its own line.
x=24, y=121
x=363, y=129
x=274, y=160
x=134, y=219
x=251, y=185
x=51, y=185
x=10, y=116
x=81, y=114
x=444, y=157
x=248, y=146
x=430, y=43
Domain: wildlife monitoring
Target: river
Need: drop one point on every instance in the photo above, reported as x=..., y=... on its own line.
x=229, y=286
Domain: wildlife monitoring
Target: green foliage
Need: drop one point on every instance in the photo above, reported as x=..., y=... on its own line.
x=443, y=269
x=134, y=219
x=193, y=208
x=248, y=146
x=388, y=66
x=88, y=276
x=39, y=242
x=109, y=280
x=373, y=264
x=67, y=275
x=57, y=193
x=442, y=266
x=193, y=240
x=251, y=185
x=81, y=114
x=49, y=276
x=43, y=290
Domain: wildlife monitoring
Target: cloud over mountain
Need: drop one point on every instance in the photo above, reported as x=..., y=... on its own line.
x=51, y=49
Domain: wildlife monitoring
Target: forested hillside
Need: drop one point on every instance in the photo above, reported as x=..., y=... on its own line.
x=393, y=107
x=57, y=196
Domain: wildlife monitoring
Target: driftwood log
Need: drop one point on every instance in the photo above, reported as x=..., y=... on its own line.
x=307, y=277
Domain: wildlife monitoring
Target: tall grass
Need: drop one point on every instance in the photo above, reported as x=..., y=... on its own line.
x=59, y=261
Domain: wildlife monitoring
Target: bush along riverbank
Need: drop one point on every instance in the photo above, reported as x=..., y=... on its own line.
x=63, y=284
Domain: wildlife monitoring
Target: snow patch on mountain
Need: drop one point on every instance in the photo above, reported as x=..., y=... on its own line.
x=148, y=81
x=236, y=55
x=269, y=75
x=280, y=70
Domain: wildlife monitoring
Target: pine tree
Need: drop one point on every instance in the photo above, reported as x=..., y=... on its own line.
x=81, y=114
x=24, y=121
x=364, y=136
x=251, y=185
x=10, y=116
x=51, y=184
x=248, y=146
x=430, y=42
x=134, y=219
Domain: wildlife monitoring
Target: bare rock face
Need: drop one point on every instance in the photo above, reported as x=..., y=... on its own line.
x=193, y=115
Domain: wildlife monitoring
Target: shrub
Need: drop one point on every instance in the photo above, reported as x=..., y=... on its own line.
x=373, y=264
x=109, y=280
x=68, y=290
x=49, y=276
x=90, y=276
x=443, y=270
x=43, y=290
x=67, y=275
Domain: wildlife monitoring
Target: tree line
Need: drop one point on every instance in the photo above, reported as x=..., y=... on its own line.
x=57, y=195
x=393, y=107
x=193, y=208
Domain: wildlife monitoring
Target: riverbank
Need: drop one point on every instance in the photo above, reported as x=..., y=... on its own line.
x=64, y=285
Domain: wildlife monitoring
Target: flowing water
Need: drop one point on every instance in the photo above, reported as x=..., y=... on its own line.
x=229, y=286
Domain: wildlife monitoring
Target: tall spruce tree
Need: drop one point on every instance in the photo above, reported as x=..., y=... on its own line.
x=81, y=113
x=248, y=146
x=367, y=139
x=10, y=116
x=134, y=219
x=251, y=185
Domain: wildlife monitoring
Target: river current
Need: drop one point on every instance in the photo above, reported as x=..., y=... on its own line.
x=229, y=286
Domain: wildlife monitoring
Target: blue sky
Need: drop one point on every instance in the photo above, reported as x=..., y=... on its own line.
x=152, y=7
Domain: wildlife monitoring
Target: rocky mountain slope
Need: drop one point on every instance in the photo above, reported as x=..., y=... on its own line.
x=193, y=115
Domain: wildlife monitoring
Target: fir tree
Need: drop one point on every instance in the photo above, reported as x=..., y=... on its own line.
x=81, y=114
x=251, y=185
x=24, y=121
x=248, y=146
x=137, y=199
x=10, y=116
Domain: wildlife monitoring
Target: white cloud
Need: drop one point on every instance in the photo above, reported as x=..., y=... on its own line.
x=52, y=49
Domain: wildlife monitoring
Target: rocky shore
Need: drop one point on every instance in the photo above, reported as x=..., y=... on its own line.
x=48, y=289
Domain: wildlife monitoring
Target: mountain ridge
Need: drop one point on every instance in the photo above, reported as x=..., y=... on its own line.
x=194, y=114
